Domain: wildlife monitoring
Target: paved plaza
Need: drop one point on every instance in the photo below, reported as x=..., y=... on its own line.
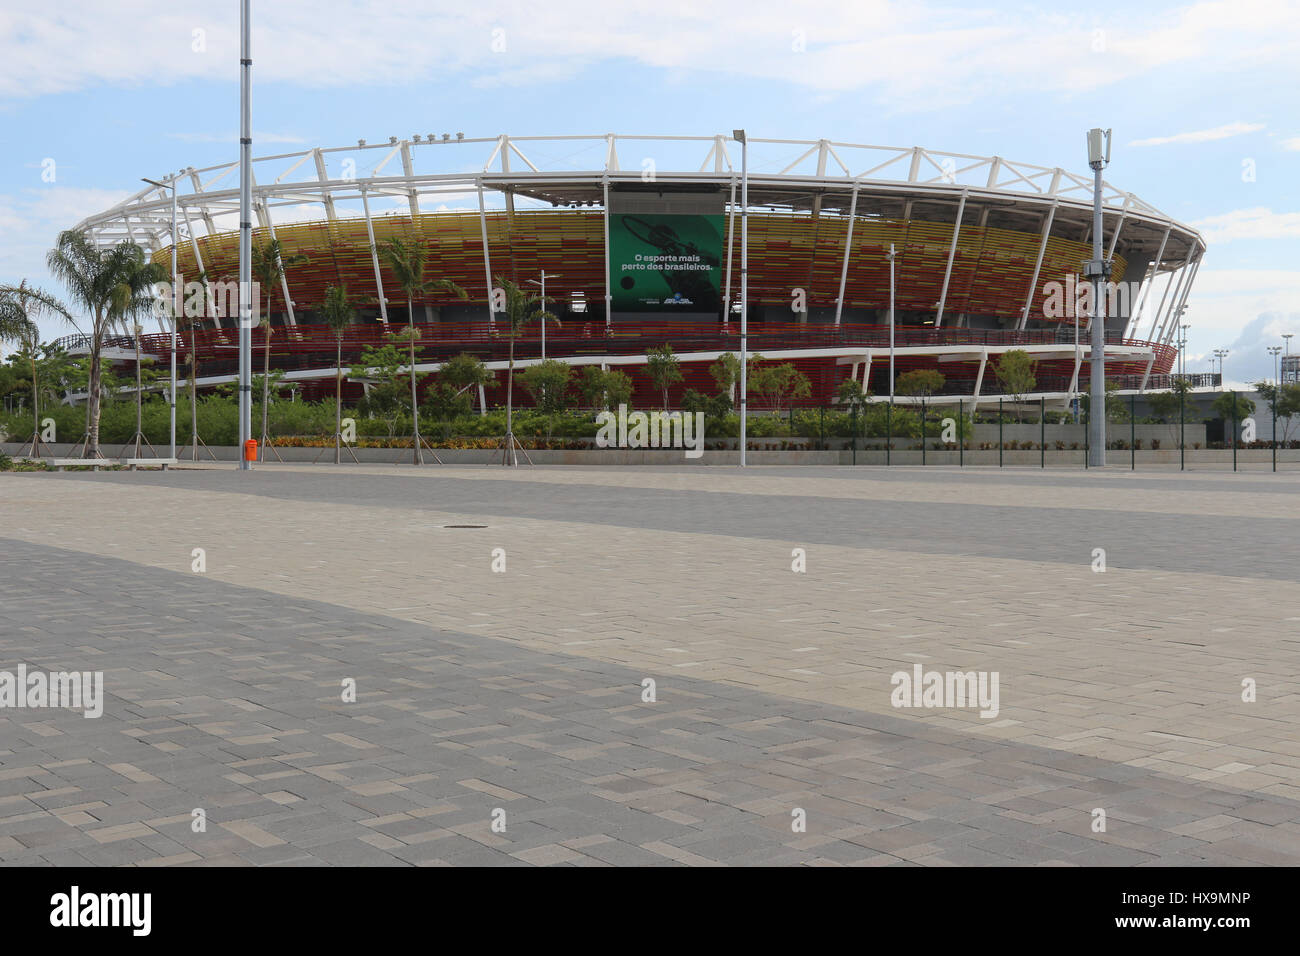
x=503, y=713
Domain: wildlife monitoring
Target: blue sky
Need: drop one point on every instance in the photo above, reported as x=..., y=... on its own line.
x=1202, y=98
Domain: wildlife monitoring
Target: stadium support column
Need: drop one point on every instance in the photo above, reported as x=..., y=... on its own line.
x=245, y=231
x=952, y=254
x=1149, y=283
x=209, y=306
x=1038, y=265
x=1180, y=306
x=848, y=246
x=1161, y=317
x=487, y=257
x=284, y=281
x=374, y=257
x=609, y=292
x=1097, y=270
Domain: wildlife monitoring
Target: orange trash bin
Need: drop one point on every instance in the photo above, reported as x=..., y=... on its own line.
x=250, y=450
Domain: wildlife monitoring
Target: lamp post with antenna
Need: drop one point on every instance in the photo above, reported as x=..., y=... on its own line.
x=1096, y=269
x=743, y=140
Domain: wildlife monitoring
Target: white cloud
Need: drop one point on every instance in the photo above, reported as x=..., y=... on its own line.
x=1256, y=223
x=1244, y=310
x=1292, y=144
x=911, y=55
x=1226, y=131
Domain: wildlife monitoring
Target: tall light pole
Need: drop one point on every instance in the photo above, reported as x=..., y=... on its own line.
x=171, y=394
x=739, y=136
x=1220, y=353
x=1096, y=270
x=891, y=323
x=1182, y=351
x=245, y=230
x=1275, y=351
x=545, y=276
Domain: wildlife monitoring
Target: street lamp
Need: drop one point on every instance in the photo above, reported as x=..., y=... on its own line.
x=1275, y=351
x=739, y=136
x=1182, y=351
x=545, y=276
x=1096, y=269
x=1221, y=353
x=171, y=394
x=891, y=323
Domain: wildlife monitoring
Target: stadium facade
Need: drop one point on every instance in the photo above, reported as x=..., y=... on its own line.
x=639, y=237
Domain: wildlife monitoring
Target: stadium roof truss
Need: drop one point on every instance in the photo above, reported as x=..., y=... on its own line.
x=423, y=175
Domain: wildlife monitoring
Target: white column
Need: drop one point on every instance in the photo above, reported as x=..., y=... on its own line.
x=374, y=258
x=1177, y=289
x=284, y=280
x=1150, y=282
x=848, y=246
x=1038, y=265
x=209, y=306
x=979, y=378
x=487, y=257
x=952, y=253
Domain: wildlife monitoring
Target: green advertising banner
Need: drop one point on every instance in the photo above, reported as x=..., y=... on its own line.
x=665, y=262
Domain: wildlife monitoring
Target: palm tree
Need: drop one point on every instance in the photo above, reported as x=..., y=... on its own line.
x=339, y=312
x=19, y=307
x=407, y=259
x=521, y=307
x=268, y=268
x=135, y=296
x=194, y=322
x=111, y=284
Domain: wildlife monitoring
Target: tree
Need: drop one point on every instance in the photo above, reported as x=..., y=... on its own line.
x=389, y=369
x=851, y=395
x=1232, y=407
x=547, y=382
x=776, y=383
x=458, y=374
x=604, y=388
x=268, y=269
x=726, y=373
x=521, y=307
x=111, y=284
x=663, y=368
x=1015, y=372
x=1117, y=410
x=193, y=312
x=921, y=382
x=20, y=306
x=407, y=259
x=339, y=312
x=1284, y=402
x=1169, y=406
